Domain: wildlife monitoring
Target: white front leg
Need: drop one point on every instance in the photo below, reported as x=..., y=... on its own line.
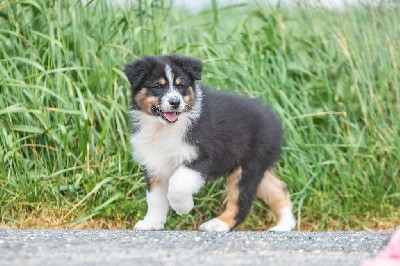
x=157, y=208
x=182, y=185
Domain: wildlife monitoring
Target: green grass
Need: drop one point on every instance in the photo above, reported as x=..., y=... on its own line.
x=333, y=76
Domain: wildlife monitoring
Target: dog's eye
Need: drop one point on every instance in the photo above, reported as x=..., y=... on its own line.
x=157, y=87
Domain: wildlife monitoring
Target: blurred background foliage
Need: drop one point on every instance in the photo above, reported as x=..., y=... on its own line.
x=332, y=75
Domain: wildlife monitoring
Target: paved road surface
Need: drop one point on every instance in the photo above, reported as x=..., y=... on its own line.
x=109, y=247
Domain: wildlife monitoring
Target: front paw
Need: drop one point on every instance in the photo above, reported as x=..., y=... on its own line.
x=145, y=225
x=181, y=204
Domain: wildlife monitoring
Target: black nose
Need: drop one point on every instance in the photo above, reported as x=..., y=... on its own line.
x=174, y=102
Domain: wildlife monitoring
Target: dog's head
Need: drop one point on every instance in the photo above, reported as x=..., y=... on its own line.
x=164, y=86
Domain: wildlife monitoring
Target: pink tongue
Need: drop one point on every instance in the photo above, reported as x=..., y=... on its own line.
x=171, y=116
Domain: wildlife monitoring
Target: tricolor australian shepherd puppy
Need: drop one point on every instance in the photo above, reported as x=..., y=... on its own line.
x=184, y=134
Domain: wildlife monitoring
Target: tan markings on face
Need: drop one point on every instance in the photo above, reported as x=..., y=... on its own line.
x=178, y=81
x=162, y=81
x=273, y=192
x=145, y=102
x=189, y=99
x=232, y=206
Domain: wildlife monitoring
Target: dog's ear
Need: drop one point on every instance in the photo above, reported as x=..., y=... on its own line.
x=137, y=71
x=190, y=65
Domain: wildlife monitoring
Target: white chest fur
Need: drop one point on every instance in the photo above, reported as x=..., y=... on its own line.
x=160, y=148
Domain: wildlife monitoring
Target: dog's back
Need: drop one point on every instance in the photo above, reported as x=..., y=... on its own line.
x=235, y=130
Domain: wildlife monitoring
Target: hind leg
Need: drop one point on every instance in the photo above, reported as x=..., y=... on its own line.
x=275, y=194
x=240, y=197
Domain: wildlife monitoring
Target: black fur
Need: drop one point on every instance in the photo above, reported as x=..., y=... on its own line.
x=234, y=131
x=137, y=71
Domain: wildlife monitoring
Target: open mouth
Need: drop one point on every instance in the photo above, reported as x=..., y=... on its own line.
x=170, y=117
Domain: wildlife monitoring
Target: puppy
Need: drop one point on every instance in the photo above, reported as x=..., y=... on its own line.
x=184, y=134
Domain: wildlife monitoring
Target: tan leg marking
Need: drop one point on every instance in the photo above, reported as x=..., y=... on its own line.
x=274, y=193
x=232, y=208
x=155, y=182
x=145, y=102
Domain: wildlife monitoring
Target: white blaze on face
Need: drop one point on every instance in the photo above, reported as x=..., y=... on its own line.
x=172, y=93
x=170, y=76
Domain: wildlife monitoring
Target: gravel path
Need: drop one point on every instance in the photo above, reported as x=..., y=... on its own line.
x=110, y=247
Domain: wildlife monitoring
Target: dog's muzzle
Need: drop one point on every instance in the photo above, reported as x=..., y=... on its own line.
x=170, y=108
